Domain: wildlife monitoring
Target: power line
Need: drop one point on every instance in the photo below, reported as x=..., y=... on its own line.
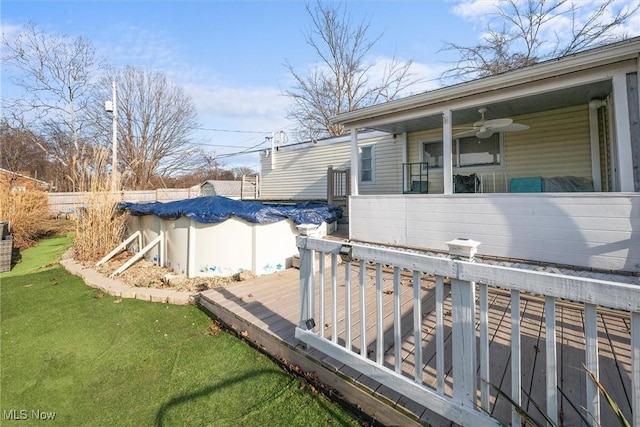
x=218, y=145
x=230, y=130
x=247, y=151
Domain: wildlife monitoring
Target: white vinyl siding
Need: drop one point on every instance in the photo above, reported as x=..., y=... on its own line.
x=300, y=173
x=387, y=166
x=587, y=229
x=557, y=144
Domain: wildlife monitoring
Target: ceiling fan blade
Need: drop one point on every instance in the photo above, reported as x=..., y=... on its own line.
x=514, y=127
x=484, y=133
x=498, y=123
x=464, y=134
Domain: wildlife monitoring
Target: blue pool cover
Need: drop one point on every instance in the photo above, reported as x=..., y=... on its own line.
x=213, y=209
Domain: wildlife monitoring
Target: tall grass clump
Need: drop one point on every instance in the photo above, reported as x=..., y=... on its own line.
x=100, y=226
x=28, y=215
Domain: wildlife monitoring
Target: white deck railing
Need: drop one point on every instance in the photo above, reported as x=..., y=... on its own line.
x=335, y=319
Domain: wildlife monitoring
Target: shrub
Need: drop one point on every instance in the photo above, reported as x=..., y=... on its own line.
x=28, y=214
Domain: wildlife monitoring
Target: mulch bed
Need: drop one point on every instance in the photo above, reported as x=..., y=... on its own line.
x=146, y=274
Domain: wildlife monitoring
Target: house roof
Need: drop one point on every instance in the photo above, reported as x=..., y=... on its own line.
x=331, y=140
x=25, y=177
x=566, y=81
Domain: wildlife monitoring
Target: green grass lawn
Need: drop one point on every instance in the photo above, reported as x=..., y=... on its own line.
x=95, y=360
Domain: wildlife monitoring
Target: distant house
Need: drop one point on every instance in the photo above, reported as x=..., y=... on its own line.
x=300, y=171
x=21, y=182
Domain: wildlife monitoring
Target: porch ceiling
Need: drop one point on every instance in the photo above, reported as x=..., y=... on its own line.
x=571, y=96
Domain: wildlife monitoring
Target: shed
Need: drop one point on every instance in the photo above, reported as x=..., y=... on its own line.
x=231, y=189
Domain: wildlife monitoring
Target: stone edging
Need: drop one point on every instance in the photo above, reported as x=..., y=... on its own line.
x=118, y=289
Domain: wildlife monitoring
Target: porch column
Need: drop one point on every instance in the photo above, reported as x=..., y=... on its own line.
x=355, y=162
x=622, y=128
x=447, y=167
x=405, y=156
x=595, y=146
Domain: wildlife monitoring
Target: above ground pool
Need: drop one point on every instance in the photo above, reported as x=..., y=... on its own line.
x=217, y=236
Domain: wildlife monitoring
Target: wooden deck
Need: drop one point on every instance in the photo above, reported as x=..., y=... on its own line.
x=266, y=309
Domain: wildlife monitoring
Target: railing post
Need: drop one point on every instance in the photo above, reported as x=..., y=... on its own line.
x=306, y=277
x=347, y=185
x=330, y=189
x=463, y=330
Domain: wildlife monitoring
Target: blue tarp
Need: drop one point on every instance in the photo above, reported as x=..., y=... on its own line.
x=213, y=209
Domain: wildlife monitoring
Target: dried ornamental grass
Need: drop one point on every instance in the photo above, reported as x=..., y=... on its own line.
x=28, y=214
x=99, y=228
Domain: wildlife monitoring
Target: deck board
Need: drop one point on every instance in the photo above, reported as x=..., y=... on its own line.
x=271, y=303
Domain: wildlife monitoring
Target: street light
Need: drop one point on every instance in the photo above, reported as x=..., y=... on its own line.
x=110, y=107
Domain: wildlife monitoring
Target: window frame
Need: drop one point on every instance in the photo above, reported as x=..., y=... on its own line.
x=455, y=154
x=422, y=151
x=500, y=164
x=372, y=169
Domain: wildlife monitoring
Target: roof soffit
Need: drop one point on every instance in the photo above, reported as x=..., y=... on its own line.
x=590, y=66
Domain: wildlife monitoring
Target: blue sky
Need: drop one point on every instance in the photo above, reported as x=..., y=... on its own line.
x=229, y=55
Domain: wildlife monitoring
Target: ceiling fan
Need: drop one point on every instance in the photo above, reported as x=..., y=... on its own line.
x=484, y=128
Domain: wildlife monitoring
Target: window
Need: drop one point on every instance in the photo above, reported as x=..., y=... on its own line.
x=366, y=163
x=466, y=152
x=433, y=154
x=477, y=152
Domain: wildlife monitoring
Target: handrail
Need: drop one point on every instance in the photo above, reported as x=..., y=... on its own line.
x=461, y=405
x=338, y=184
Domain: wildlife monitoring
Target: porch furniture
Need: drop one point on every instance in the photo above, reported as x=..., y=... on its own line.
x=555, y=184
x=466, y=183
x=532, y=184
x=419, y=187
x=6, y=246
x=418, y=175
x=563, y=184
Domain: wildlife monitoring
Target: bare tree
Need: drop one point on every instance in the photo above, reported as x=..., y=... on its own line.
x=155, y=121
x=240, y=171
x=55, y=74
x=19, y=152
x=521, y=33
x=343, y=79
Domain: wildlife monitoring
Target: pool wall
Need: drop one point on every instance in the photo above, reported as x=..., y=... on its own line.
x=221, y=249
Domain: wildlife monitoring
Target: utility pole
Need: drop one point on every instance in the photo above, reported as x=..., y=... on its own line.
x=110, y=107
x=114, y=161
